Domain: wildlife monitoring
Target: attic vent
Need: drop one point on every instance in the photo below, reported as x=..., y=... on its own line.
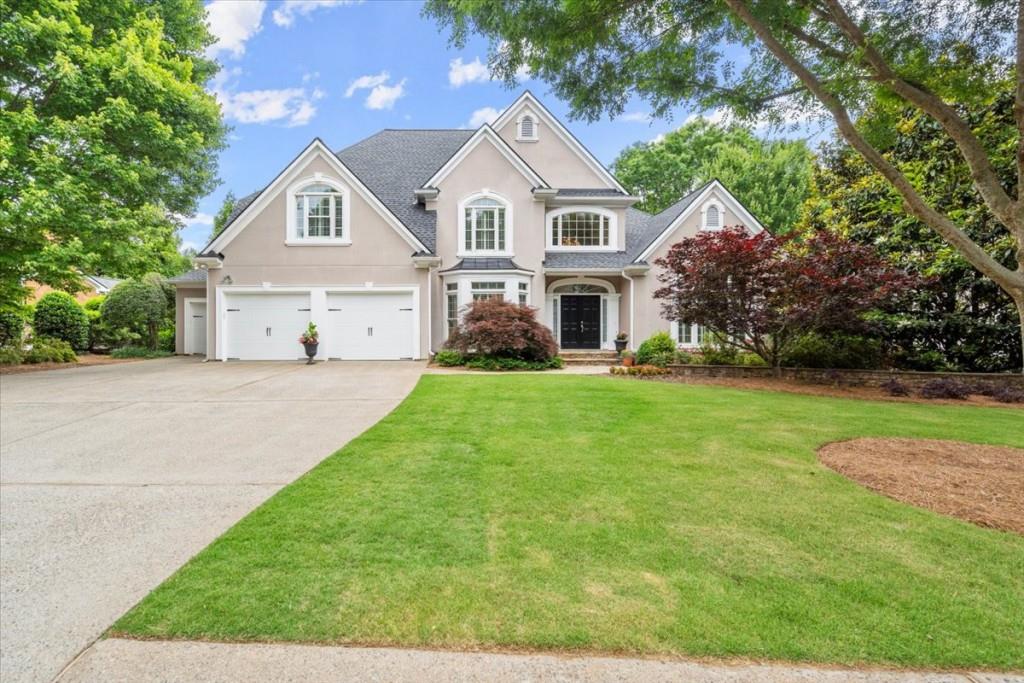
x=527, y=128
x=711, y=218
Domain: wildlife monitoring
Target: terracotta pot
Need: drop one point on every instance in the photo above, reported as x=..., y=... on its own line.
x=627, y=361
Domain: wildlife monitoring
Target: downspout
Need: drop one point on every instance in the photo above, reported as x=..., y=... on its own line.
x=430, y=312
x=632, y=288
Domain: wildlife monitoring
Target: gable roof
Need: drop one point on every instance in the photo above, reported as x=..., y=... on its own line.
x=551, y=121
x=196, y=275
x=485, y=132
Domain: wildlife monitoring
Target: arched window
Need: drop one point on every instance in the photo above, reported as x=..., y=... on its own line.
x=712, y=218
x=319, y=212
x=575, y=229
x=483, y=228
x=527, y=128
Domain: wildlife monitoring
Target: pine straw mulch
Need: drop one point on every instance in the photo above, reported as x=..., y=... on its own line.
x=84, y=360
x=980, y=484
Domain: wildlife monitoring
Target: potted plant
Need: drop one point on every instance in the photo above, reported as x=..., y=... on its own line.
x=627, y=359
x=620, y=341
x=310, y=339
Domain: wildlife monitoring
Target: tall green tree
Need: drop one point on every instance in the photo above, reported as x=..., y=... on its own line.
x=960, y=319
x=220, y=221
x=106, y=135
x=779, y=58
x=770, y=177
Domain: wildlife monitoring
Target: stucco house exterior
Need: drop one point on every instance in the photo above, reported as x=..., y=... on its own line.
x=381, y=244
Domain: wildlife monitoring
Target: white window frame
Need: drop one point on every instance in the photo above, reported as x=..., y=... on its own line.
x=696, y=335
x=451, y=290
x=509, y=231
x=524, y=293
x=291, y=231
x=704, y=215
x=613, y=228
x=463, y=281
x=519, y=127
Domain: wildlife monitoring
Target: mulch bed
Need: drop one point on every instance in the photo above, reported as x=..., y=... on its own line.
x=84, y=360
x=797, y=387
x=980, y=484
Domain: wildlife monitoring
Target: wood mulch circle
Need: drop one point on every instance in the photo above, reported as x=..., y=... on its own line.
x=980, y=484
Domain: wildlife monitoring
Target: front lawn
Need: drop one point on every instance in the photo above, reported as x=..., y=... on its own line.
x=595, y=513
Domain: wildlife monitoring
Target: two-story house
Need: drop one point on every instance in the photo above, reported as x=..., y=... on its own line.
x=383, y=243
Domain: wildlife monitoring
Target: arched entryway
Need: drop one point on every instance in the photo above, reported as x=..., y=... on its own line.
x=584, y=312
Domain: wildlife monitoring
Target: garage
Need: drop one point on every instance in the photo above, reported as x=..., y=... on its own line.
x=265, y=325
x=369, y=325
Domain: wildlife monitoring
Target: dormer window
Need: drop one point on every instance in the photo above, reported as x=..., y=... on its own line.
x=318, y=213
x=527, y=130
x=485, y=225
x=581, y=229
x=712, y=217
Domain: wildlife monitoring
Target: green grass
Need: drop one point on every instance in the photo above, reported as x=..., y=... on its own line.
x=613, y=515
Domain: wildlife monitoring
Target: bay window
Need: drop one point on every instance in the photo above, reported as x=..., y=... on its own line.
x=487, y=290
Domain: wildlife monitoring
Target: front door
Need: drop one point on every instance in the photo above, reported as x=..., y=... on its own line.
x=581, y=321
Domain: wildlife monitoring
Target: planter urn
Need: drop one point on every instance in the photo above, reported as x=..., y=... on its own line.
x=311, y=348
x=620, y=345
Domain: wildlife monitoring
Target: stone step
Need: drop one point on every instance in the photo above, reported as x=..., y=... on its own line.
x=590, y=361
x=589, y=354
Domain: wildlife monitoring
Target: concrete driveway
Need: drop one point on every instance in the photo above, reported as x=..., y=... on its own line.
x=111, y=477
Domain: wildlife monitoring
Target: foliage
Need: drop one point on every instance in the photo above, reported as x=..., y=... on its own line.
x=138, y=306
x=495, y=327
x=1008, y=395
x=770, y=177
x=894, y=387
x=220, y=220
x=95, y=303
x=165, y=339
x=49, y=350
x=639, y=370
x=503, y=363
x=170, y=296
x=58, y=315
x=448, y=359
x=659, y=343
x=11, y=355
x=107, y=134
x=310, y=335
x=683, y=357
x=614, y=486
x=12, y=328
x=945, y=388
x=139, y=352
x=834, y=350
x=959, y=320
x=761, y=292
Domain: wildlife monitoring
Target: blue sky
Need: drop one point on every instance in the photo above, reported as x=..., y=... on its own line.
x=342, y=71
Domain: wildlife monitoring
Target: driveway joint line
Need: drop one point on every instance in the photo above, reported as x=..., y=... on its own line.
x=66, y=424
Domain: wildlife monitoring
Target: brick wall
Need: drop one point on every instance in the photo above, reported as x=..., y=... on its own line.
x=869, y=378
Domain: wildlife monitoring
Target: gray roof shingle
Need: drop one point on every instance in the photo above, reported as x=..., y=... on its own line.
x=194, y=275
x=588, y=192
x=485, y=264
x=393, y=163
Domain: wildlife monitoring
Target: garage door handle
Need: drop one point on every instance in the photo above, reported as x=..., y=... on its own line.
x=369, y=331
x=303, y=309
x=268, y=331
x=234, y=310
x=333, y=309
x=405, y=309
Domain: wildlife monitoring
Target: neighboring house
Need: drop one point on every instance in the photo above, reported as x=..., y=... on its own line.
x=383, y=243
x=93, y=285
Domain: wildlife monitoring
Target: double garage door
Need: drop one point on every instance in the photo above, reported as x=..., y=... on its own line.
x=354, y=326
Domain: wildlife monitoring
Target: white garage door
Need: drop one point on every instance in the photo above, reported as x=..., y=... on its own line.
x=265, y=326
x=365, y=326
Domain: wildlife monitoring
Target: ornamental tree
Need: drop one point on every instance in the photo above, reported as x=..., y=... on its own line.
x=495, y=327
x=760, y=292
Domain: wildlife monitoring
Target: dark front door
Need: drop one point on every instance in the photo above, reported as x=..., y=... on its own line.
x=581, y=321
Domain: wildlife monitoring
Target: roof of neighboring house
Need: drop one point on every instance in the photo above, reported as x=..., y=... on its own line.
x=393, y=163
x=485, y=264
x=194, y=275
x=102, y=283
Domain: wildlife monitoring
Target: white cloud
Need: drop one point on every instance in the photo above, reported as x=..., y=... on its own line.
x=310, y=76
x=186, y=245
x=385, y=96
x=523, y=73
x=460, y=74
x=233, y=24
x=657, y=139
x=200, y=219
x=484, y=115
x=636, y=117
x=286, y=13
x=714, y=116
x=291, y=105
x=367, y=82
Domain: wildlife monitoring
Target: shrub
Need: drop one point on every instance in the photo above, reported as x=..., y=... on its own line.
x=842, y=351
x=11, y=355
x=448, y=359
x=165, y=339
x=894, y=387
x=502, y=363
x=751, y=360
x=683, y=358
x=94, y=304
x=49, y=350
x=12, y=328
x=716, y=352
x=945, y=388
x=138, y=307
x=58, y=316
x=138, y=352
x=658, y=344
x=662, y=359
x=495, y=327
x=1007, y=394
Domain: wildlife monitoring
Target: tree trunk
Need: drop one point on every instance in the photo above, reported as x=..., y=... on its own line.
x=1019, y=300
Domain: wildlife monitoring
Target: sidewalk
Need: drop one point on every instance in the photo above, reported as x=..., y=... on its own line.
x=123, y=660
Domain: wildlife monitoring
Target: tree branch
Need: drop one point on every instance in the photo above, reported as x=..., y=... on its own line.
x=1012, y=281
x=982, y=172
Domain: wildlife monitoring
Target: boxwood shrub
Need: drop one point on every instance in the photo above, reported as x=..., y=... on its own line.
x=658, y=346
x=12, y=328
x=58, y=316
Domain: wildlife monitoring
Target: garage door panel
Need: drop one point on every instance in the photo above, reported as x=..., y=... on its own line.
x=370, y=326
x=266, y=326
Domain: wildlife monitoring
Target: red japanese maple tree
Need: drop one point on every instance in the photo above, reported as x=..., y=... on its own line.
x=760, y=292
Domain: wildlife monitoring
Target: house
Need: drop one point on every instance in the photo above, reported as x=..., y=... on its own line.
x=383, y=243
x=92, y=285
